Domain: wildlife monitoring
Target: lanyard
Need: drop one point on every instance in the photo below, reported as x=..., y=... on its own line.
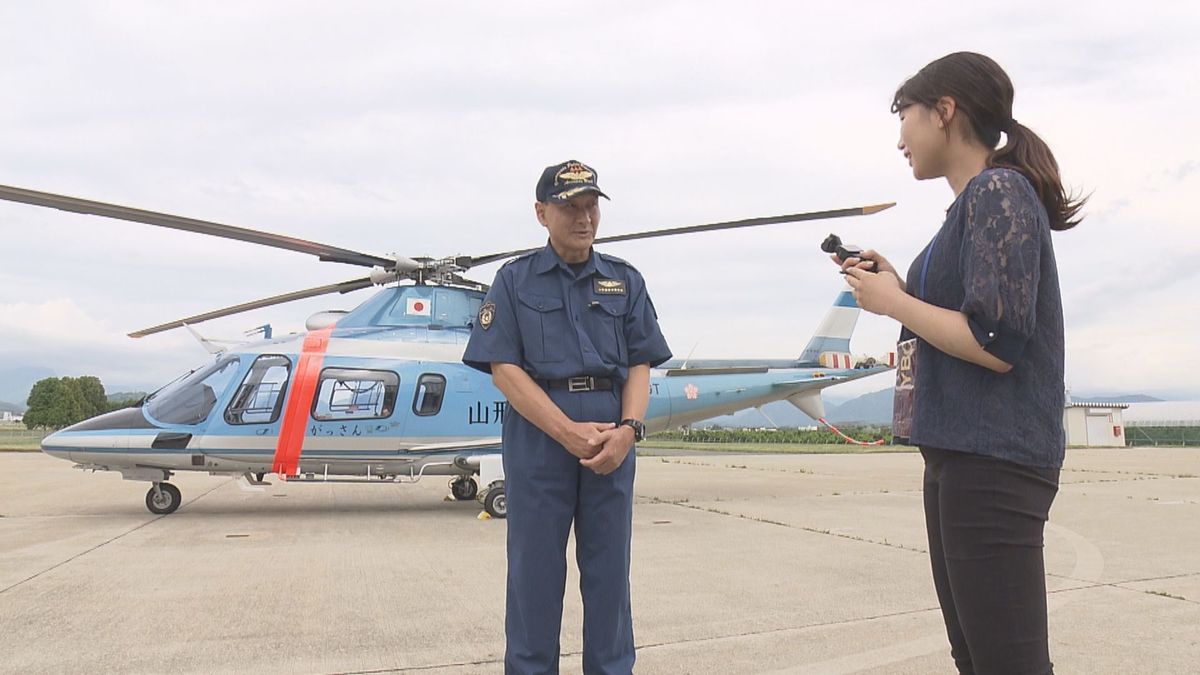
x=925, y=265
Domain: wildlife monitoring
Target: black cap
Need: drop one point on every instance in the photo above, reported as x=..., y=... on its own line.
x=562, y=181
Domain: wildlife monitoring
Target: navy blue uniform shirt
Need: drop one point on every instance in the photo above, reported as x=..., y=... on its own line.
x=993, y=261
x=556, y=323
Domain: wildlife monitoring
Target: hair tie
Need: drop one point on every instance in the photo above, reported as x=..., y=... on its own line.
x=1012, y=122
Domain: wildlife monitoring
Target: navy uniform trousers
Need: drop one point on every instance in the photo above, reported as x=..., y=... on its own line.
x=548, y=490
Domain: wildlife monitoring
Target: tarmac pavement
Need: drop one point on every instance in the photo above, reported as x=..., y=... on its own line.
x=741, y=564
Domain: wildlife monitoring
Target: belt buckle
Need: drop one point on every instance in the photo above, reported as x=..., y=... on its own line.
x=582, y=383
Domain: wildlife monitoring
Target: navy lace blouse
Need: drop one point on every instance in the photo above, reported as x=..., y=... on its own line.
x=993, y=260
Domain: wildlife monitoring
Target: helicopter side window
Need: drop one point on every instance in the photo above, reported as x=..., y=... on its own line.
x=259, y=399
x=355, y=394
x=431, y=388
x=191, y=399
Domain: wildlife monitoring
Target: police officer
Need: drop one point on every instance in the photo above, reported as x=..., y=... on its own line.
x=569, y=336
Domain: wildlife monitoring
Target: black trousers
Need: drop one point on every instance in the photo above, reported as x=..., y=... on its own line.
x=985, y=518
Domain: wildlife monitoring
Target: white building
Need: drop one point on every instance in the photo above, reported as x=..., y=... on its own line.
x=7, y=416
x=1095, y=425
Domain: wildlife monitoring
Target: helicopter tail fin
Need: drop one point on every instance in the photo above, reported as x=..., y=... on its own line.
x=833, y=334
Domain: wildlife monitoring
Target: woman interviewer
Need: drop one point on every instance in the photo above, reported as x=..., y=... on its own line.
x=982, y=302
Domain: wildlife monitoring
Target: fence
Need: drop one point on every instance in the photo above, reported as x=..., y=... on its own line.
x=18, y=432
x=1170, y=433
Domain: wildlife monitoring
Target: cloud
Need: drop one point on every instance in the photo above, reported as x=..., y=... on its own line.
x=419, y=128
x=60, y=335
x=1185, y=170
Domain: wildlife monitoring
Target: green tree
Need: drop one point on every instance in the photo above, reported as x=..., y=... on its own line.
x=55, y=403
x=91, y=391
x=125, y=400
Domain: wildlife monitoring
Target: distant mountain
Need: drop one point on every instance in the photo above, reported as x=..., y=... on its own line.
x=1124, y=398
x=11, y=407
x=126, y=396
x=872, y=408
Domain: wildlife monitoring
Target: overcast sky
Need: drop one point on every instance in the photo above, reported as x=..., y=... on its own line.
x=420, y=128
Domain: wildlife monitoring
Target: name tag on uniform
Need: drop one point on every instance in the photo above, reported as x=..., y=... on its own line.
x=608, y=286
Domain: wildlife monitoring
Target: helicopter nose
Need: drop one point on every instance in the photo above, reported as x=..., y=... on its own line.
x=55, y=445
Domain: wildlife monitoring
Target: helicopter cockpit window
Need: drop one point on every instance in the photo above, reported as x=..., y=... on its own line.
x=354, y=394
x=430, y=390
x=259, y=399
x=192, y=398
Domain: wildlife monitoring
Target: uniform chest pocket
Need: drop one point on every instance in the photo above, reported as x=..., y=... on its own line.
x=543, y=323
x=609, y=334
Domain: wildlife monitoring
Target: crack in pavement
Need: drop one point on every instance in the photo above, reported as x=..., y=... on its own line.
x=106, y=542
x=768, y=521
x=1121, y=585
x=787, y=629
x=669, y=643
x=739, y=467
x=1130, y=473
x=414, y=669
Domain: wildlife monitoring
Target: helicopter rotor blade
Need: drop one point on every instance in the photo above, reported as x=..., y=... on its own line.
x=728, y=225
x=343, y=287
x=89, y=207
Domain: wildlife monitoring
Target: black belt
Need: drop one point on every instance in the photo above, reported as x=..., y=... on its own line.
x=581, y=383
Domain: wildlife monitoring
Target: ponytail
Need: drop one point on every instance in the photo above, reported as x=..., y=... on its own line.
x=1029, y=155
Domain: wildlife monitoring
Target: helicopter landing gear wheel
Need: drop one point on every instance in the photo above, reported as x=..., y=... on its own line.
x=163, y=498
x=464, y=488
x=495, y=502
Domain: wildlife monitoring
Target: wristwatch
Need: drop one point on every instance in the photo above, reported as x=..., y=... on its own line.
x=639, y=429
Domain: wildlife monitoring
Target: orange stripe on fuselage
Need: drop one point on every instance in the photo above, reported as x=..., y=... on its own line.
x=295, y=415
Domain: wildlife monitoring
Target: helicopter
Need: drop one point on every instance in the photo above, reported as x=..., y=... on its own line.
x=379, y=394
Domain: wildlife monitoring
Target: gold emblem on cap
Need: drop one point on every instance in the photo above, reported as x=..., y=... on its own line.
x=574, y=172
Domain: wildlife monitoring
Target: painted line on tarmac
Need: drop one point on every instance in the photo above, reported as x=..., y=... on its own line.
x=105, y=543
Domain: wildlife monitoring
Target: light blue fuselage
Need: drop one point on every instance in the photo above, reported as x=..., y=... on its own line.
x=392, y=396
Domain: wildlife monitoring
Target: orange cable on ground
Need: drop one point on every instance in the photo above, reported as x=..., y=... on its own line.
x=837, y=431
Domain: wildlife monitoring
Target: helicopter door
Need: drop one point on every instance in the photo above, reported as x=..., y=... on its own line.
x=259, y=399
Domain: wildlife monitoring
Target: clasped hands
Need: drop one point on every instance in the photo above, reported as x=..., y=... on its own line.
x=600, y=446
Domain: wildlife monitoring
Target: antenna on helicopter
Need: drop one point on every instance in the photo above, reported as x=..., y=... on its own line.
x=689, y=356
x=263, y=330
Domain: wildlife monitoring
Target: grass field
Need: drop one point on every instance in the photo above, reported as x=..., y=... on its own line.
x=14, y=437
x=20, y=445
